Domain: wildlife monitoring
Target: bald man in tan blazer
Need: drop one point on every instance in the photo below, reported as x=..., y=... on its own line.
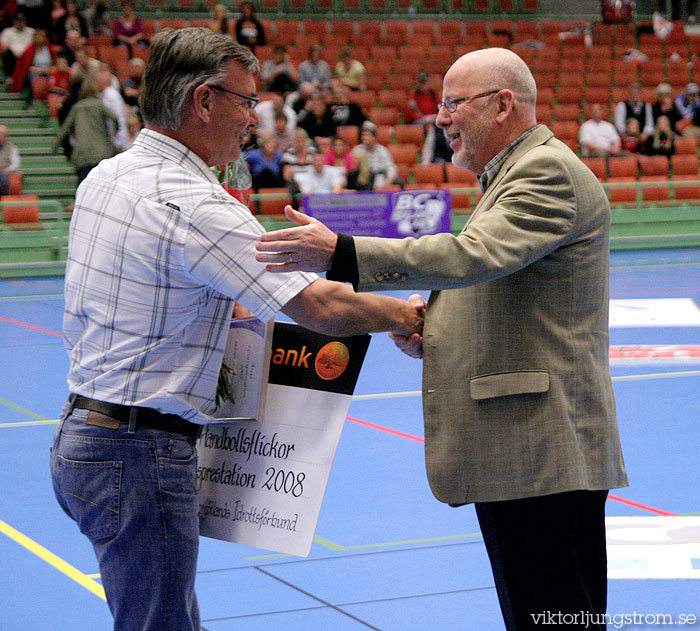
x=517, y=397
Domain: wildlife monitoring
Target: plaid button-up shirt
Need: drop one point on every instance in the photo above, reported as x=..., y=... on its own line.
x=158, y=252
x=494, y=165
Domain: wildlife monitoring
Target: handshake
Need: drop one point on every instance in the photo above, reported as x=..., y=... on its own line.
x=310, y=247
x=412, y=344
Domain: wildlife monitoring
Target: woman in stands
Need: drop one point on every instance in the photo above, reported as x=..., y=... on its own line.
x=128, y=28
x=350, y=72
x=248, y=29
x=220, y=22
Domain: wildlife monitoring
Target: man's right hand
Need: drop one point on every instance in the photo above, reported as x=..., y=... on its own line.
x=308, y=248
x=412, y=344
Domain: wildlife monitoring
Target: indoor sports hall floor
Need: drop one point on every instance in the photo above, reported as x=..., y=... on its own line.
x=386, y=555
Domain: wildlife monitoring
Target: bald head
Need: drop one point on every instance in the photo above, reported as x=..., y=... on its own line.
x=498, y=68
x=493, y=98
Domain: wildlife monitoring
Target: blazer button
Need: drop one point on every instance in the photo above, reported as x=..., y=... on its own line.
x=380, y=277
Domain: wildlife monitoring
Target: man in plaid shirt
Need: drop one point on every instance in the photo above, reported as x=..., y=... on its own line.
x=160, y=258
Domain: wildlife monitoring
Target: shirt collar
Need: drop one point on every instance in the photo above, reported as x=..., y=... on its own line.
x=171, y=149
x=494, y=165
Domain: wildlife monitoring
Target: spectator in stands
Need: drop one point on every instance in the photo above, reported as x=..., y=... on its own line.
x=350, y=72
x=127, y=29
x=343, y=110
x=297, y=160
x=666, y=106
x=382, y=168
x=72, y=43
x=297, y=99
x=279, y=74
x=9, y=161
x=113, y=77
x=323, y=144
x=356, y=172
x=282, y=133
x=59, y=79
x=219, y=22
x=267, y=109
x=436, y=149
x=71, y=21
x=321, y=178
x=422, y=107
x=634, y=107
x=88, y=122
x=66, y=106
x=97, y=17
x=316, y=118
x=265, y=165
x=8, y=11
x=249, y=30
x=112, y=98
x=35, y=11
x=688, y=101
x=85, y=67
x=315, y=70
x=36, y=61
x=598, y=137
x=58, y=11
x=134, y=125
x=131, y=88
x=631, y=139
x=14, y=40
x=661, y=142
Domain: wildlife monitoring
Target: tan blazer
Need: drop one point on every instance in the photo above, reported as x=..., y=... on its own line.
x=517, y=395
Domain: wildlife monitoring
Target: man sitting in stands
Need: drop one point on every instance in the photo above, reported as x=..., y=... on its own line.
x=598, y=137
x=322, y=178
x=381, y=164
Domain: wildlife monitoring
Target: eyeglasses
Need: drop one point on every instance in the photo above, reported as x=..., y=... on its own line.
x=451, y=104
x=250, y=101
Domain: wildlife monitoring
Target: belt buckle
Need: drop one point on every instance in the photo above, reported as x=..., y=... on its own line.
x=101, y=420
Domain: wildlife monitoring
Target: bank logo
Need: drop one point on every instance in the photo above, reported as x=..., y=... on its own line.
x=332, y=360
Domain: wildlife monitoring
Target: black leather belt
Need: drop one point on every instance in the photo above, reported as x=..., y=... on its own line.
x=145, y=417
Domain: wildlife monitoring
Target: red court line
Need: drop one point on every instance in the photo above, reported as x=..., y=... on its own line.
x=33, y=327
x=387, y=430
x=418, y=439
x=651, y=509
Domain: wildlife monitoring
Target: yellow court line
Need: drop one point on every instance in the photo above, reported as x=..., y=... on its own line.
x=19, y=408
x=53, y=560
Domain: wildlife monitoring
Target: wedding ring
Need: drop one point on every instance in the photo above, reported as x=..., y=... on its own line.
x=291, y=260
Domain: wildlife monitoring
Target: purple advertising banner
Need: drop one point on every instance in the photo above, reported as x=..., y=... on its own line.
x=411, y=213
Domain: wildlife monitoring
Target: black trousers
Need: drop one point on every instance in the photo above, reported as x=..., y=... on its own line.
x=548, y=559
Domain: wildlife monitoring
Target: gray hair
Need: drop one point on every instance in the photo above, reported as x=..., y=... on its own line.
x=180, y=61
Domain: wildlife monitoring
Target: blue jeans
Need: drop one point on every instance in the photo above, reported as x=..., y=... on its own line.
x=132, y=493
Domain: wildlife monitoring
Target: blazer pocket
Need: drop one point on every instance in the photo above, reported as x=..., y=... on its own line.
x=501, y=384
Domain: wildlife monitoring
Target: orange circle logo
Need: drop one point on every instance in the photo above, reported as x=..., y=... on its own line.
x=332, y=360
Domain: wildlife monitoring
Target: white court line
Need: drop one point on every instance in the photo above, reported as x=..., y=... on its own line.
x=417, y=393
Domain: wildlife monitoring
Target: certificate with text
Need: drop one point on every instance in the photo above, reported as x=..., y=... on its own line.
x=261, y=483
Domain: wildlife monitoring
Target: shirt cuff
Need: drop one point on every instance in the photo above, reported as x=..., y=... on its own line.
x=344, y=265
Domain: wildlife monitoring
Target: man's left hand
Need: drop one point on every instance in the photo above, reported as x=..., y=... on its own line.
x=308, y=248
